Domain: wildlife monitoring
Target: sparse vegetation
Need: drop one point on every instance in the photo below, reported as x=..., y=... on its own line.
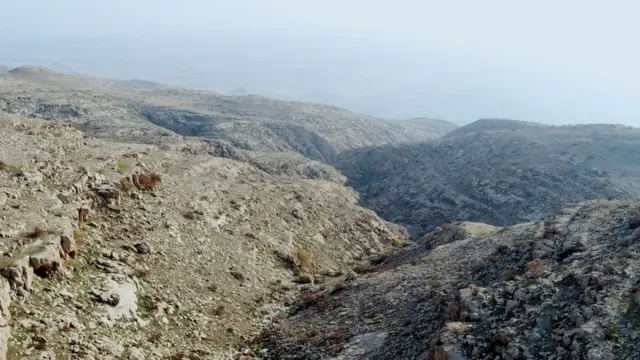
x=78, y=235
x=305, y=259
x=499, y=340
x=141, y=273
x=238, y=275
x=13, y=170
x=219, y=310
x=122, y=165
x=537, y=267
x=611, y=332
x=364, y=269
x=145, y=306
x=549, y=229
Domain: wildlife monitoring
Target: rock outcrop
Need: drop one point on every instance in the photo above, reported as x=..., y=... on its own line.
x=565, y=288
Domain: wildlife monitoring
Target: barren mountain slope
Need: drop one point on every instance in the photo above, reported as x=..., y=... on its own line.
x=568, y=288
x=501, y=172
x=415, y=127
x=140, y=111
x=189, y=270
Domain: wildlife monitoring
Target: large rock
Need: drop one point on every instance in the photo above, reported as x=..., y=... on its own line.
x=19, y=275
x=5, y=317
x=47, y=260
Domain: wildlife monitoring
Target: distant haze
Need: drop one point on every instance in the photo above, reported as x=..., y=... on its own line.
x=548, y=61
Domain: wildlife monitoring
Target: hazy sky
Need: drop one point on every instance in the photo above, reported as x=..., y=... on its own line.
x=562, y=61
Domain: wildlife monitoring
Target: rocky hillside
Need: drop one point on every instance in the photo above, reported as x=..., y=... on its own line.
x=147, y=222
x=143, y=111
x=565, y=288
x=498, y=171
x=102, y=259
x=414, y=128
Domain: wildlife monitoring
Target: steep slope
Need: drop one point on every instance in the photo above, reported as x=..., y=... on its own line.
x=190, y=269
x=500, y=172
x=567, y=288
x=138, y=111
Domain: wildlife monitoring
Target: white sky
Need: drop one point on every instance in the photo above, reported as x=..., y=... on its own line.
x=557, y=50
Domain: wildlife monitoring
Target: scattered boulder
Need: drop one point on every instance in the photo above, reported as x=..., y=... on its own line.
x=142, y=248
x=46, y=261
x=69, y=246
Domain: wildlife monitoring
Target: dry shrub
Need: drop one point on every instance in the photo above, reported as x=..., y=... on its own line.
x=189, y=215
x=305, y=259
x=238, y=275
x=219, y=310
x=338, y=340
x=12, y=169
x=40, y=342
x=257, y=339
x=499, y=340
x=386, y=267
x=364, y=269
x=155, y=337
x=141, y=273
x=78, y=235
x=549, y=230
x=611, y=332
x=322, y=303
x=537, y=267
x=122, y=166
x=178, y=356
x=502, y=249
x=302, y=340
x=308, y=299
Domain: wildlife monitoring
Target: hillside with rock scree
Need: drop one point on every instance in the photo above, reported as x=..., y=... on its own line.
x=564, y=288
x=189, y=258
